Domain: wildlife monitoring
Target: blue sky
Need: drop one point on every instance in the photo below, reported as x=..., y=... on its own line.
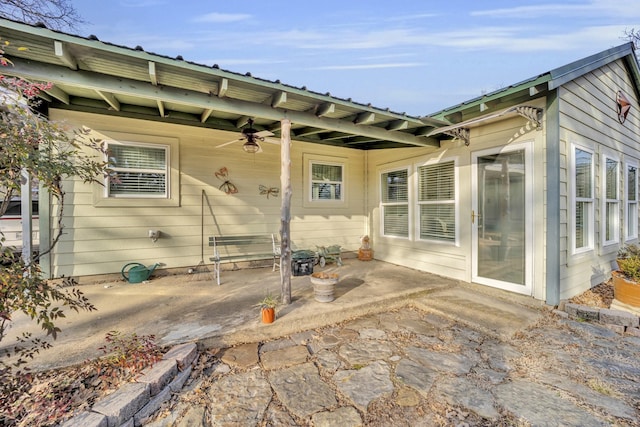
x=415, y=56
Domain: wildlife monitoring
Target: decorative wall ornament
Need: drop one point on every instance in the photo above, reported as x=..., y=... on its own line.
x=269, y=191
x=226, y=186
x=623, y=105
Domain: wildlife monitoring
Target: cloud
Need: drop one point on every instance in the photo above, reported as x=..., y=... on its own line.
x=594, y=8
x=369, y=66
x=221, y=18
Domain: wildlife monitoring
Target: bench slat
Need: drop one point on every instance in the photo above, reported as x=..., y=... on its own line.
x=243, y=248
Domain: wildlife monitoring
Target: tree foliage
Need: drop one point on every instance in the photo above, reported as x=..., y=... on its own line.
x=55, y=14
x=50, y=154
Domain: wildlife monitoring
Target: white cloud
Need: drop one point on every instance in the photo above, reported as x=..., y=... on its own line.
x=593, y=8
x=222, y=17
x=369, y=66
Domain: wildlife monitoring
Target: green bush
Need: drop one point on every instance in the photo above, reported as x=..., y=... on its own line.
x=629, y=262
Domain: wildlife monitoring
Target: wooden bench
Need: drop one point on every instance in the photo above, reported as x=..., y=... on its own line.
x=244, y=248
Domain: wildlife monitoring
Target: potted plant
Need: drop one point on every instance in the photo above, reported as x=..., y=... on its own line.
x=268, y=308
x=324, y=285
x=626, y=280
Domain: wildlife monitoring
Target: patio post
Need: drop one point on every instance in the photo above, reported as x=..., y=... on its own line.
x=285, y=210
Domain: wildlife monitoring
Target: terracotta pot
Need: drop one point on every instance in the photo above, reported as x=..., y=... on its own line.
x=268, y=315
x=626, y=291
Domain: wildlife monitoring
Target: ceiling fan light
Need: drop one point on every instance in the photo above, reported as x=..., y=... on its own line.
x=251, y=147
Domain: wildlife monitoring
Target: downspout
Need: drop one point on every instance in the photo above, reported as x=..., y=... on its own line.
x=552, y=239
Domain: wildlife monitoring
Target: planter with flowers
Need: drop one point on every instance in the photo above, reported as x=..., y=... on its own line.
x=626, y=280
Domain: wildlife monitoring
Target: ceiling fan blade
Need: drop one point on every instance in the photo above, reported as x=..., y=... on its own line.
x=272, y=141
x=228, y=143
x=263, y=133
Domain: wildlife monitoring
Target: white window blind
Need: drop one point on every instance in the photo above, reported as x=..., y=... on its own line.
x=632, y=202
x=583, y=180
x=139, y=170
x=436, y=199
x=395, y=203
x=326, y=181
x=611, y=203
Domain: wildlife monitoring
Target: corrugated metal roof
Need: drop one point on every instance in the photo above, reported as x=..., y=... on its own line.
x=96, y=76
x=537, y=86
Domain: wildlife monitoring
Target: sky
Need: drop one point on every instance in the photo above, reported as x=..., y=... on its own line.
x=411, y=56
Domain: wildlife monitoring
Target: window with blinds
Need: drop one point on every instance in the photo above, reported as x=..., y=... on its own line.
x=436, y=201
x=631, y=199
x=584, y=199
x=138, y=170
x=611, y=201
x=395, y=203
x=326, y=181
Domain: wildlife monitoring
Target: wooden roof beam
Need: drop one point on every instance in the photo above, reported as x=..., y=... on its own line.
x=223, y=86
x=397, y=125
x=130, y=87
x=278, y=99
x=364, y=118
x=160, y=108
x=109, y=99
x=58, y=94
x=324, y=109
x=153, y=75
x=64, y=55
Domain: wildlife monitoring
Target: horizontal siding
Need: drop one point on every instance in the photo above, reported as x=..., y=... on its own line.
x=588, y=116
x=99, y=240
x=449, y=260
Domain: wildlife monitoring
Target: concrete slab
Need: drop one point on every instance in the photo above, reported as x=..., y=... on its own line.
x=178, y=309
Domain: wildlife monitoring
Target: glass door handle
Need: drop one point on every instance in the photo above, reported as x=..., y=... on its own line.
x=474, y=215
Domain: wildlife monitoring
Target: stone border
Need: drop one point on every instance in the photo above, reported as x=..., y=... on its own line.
x=134, y=402
x=619, y=321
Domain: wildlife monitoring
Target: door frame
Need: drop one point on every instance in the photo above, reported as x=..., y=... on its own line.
x=527, y=288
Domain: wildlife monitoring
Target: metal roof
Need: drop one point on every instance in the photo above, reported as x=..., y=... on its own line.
x=538, y=86
x=95, y=76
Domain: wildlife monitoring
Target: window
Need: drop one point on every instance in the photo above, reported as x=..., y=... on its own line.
x=140, y=170
x=436, y=201
x=631, y=193
x=395, y=203
x=583, y=199
x=611, y=201
x=326, y=181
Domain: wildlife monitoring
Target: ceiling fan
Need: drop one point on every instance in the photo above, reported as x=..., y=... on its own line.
x=251, y=137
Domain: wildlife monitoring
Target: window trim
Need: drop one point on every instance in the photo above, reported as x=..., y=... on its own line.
x=417, y=237
x=627, y=165
x=605, y=202
x=167, y=192
x=408, y=203
x=100, y=198
x=590, y=245
x=308, y=161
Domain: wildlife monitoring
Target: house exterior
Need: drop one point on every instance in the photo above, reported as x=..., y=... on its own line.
x=532, y=188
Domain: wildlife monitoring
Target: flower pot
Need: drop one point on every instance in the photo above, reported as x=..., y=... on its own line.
x=268, y=314
x=626, y=291
x=324, y=285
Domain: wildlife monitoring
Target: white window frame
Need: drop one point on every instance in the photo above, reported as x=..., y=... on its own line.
x=589, y=201
x=171, y=199
x=384, y=205
x=453, y=201
x=610, y=207
x=631, y=205
x=310, y=159
x=167, y=177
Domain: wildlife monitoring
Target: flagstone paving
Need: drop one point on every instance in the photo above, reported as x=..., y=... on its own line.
x=411, y=367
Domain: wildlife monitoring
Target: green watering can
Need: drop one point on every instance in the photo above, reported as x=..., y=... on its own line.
x=137, y=272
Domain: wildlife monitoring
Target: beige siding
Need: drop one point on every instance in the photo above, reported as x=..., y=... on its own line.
x=588, y=116
x=447, y=259
x=100, y=240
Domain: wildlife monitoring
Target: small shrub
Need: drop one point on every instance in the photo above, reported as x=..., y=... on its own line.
x=126, y=356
